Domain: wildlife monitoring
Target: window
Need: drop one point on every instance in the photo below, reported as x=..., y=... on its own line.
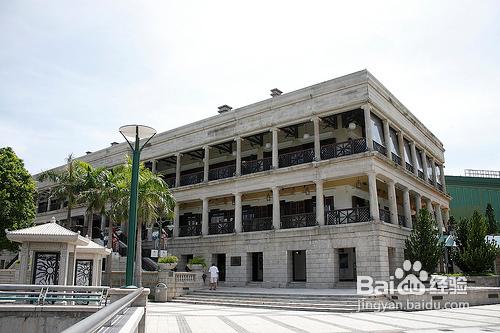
x=377, y=129
x=394, y=141
x=407, y=152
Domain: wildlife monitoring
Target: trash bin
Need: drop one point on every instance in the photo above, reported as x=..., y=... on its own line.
x=161, y=292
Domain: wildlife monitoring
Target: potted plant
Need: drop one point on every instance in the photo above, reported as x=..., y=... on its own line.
x=167, y=263
x=197, y=263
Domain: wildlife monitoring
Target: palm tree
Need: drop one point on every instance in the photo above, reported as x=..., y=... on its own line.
x=67, y=183
x=154, y=202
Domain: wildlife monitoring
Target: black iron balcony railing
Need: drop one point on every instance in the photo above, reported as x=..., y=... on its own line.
x=430, y=181
x=222, y=172
x=409, y=167
x=296, y=157
x=348, y=215
x=420, y=174
x=170, y=182
x=190, y=230
x=192, y=178
x=217, y=228
x=248, y=167
x=440, y=187
x=42, y=207
x=258, y=224
x=385, y=215
x=378, y=147
x=298, y=220
x=343, y=148
x=402, y=220
x=396, y=159
x=414, y=219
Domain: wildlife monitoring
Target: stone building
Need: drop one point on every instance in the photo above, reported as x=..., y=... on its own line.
x=310, y=188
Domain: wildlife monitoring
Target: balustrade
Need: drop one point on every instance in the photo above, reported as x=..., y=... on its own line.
x=298, y=220
x=420, y=174
x=170, y=182
x=296, y=157
x=254, y=166
x=409, y=167
x=378, y=147
x=217, y=228
x=396, y=159
x=222, y=172
x=192, y=178
x=385, y=215
x=190, y=230
x=348, y=215
x=343, y=148
x=258, y=224
x=401, y=220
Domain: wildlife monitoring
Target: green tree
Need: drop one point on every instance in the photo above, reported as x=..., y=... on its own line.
x=17, y=196
x=492, y=223
x=473, y=253
x=154, y=202
x=423, y=244
x=67, y=184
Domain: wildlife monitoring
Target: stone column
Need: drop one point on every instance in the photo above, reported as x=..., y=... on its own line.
x=387, y=139
x=238, y=223
x=443, y=180
x=238, y=156
x=418, y=202
x=206, y=164
x=63, y=265
x=446, y=218
x=274, y=132
x=320, y=203
x=433, y=167
x=401, y=143
x=428, y=205
x=393, y=208
x=372, y=187
x=439, y=218
x=204, y=217
x=414, y=158
x=176, y=220
x=103, y=223
x=317, y=142
x=407, y=207
x=153, y=166
x=276, y=208
x=424, y=165
x=178, y=169
x=368, y=126
x=49, y=202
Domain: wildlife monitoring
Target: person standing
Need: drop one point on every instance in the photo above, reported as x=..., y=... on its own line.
x=214, y=276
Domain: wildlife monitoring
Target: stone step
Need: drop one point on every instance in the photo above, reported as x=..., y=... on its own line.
x=283, y=295
x=305, y=303
x=280, y=298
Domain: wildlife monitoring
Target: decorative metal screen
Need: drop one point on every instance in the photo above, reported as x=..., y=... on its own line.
x=83, y=273
x=46, y=268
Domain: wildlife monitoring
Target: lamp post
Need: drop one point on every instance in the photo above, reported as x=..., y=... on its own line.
x=136, y=132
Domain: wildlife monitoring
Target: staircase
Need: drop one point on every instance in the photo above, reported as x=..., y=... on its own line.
x=284, y=301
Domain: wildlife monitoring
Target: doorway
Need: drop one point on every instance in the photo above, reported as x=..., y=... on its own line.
x=257, y=266
x=299, y=266
x=347, y=264
x=220, y=262
x=46, y=268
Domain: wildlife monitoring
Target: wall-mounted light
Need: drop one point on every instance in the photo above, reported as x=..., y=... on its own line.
x=306, y=189
x=352, y=126
x=306, y=136
x=268, y=196
x=358, y=183
x=234, y=153
x=268, y=145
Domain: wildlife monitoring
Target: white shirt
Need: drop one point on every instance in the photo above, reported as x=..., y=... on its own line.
x=214, y=271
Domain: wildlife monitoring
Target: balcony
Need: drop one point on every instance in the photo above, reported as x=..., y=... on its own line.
x=190, y=230
x=343, y=148
x=192, y=178
x=248, y=167
x=378, y=147
x=409, y=167
x=385, y=215
x=296, y=158
x=218, y=228
x=298, y=220
x=258, y=224
x=402, y=220
x=348, y=215
x=170, y=181
x=42, y=207
x=420, y=174
x=430, y=181
x=222, y=172
x=440, y=187
x=396, y=159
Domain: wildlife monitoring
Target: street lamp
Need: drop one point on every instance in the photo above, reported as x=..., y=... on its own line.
x=137, y=133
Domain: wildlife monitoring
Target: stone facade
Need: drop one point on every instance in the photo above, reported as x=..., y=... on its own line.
x=247, y=183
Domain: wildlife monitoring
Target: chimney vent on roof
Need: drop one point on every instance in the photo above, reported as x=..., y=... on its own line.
x=114, y=143
x=88, y=152
x=224, y=108
x=276, y=92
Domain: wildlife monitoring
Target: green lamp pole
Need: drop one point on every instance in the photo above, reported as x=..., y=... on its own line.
x=137, y=132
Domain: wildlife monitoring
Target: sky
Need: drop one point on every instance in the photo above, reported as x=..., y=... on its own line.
x=73, y=72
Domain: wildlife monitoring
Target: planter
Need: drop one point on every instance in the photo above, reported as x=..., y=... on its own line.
x=195, y=267
x=167, y=266
x=479, y=280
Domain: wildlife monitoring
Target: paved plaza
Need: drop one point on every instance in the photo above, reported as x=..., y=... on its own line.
x=188, y=318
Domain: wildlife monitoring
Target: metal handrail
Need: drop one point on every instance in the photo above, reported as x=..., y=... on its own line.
x=97, y=320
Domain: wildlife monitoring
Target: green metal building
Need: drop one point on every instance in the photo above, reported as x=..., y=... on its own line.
x=473, y=193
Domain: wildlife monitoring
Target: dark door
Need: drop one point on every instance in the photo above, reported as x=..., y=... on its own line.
x=83, y=272
x=221, y=265
x=257, y=266
x=46, y=268
x=299, y=265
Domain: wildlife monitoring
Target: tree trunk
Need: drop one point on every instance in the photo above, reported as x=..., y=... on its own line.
x=138, y=256
x=68, y=216
x=90, y=223
x=109, y=259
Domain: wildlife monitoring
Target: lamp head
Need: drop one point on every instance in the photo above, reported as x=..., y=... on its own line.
x=142, y=131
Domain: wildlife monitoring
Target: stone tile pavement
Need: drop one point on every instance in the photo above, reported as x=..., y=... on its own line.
x=195, y=318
